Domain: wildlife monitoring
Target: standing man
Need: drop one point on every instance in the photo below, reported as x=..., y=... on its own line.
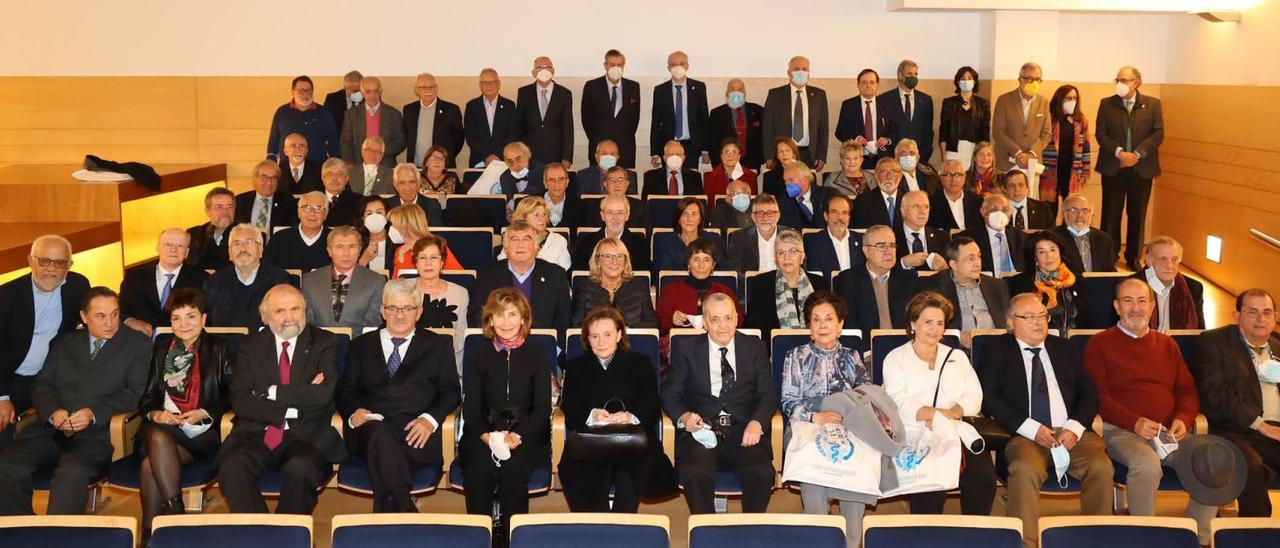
x=1130, y=129
x=303, y=115
x=611, y=109
x=145, y=288
x=545, y=112
x=298, y=172
x=375, y=119
x=1021, y=124
x=489, y=122
x=861, y=121
x=208, y=249
x=909, y=111
x=428, y=122
x=680, y=113
x=738, y=120
x=343, y=294
x=799, y=111
x=339, y=102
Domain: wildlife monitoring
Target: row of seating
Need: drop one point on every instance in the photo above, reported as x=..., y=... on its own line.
x=631, y=531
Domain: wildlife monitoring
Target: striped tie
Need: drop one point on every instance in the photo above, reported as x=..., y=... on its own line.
x=97, y=347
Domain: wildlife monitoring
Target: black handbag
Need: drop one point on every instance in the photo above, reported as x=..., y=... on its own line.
x=607, y=441
x=994, y=436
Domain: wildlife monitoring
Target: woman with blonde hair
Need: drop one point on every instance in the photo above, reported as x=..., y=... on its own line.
x=408, y=225
x=613, y=284
x=552, y=247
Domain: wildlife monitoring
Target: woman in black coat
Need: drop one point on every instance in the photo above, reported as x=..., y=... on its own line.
x=610, y=384
x=1053, y=277
x=506, y=400
x=613, y=284
x=187, y=392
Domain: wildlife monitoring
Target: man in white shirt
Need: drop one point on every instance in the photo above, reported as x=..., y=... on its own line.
x=920, y=244
x=1001, y=245
x=837, y=247
x=955, y=206
x=752, y=248
x=1021, y=125
x=144, y=290
x=916, y=175
x=1179, y=299
x=798, y=111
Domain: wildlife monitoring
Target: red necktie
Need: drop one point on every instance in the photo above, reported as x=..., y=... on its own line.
x=275, y=434
x=742, y=131
x=868, y=124
x=673, y=186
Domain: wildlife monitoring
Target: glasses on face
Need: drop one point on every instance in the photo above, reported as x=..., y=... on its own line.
x=612, y=257
x=312, y=208
x=1079, y=210
x=397, y=310
x=890, y=174
x=268, y=178
x=222, y=207
x=1030, y=78
x=787, y=253
x=46, y=262
x=951, y=174
x=436, y=158
x=1126, y=80
x=766, y=213
x=1039, y=317
x=243, y=243
x=883, y=246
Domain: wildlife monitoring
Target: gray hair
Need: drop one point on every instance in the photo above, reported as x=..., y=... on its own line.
x=1136, y=73
x=615, y=198
x=314, y=195
x=1028, y=67
x=1013, y=302
x=876, y=229
x=402, y=287
x=40, y=241
x=334, y=163
x=246, y=227
x=904, y=143
x=717, y=298
x=787, y=235
x=906, y=64
x=353, y=77
x=375, y=140
x=403, y=169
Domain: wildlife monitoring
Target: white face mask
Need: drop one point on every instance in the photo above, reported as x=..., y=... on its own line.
x=1061, y=462
x=375, y=222
x=1068, y=107
x=544, y=76
x=1122, y=90
x=799, y=77
x=966, y=85
x=1077, y=232
x=1270, y=371
x=674, y=162
x=607, y=161
x=997, y=220
x=1164, y=443
x=395, y=236
x=356, y=97
x=615, y=73
x=678, y=72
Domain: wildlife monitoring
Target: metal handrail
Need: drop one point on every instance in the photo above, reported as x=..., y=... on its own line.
x=1275, y=243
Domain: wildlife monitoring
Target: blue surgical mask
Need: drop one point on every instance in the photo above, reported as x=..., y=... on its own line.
x=737, y=99
x=1270, y=372
x=356, y=97
x=793, y=189
x=607, y=161
x=1061, y=461
x=1077, y=232
x=741, y=202
x=907, y=162
x=706, y=437
x=799, y=77
x=520, y=174
x=966, y=85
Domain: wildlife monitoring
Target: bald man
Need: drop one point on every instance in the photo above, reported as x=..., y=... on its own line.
x=489, y=121
x=738, y=120
x=799, y=111
x=443, y=127
x=372, y=118
x=146, y=287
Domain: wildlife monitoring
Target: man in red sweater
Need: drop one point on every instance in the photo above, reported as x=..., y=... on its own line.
x=1144, y=390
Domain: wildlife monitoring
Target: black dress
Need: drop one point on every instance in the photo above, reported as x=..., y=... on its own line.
x=216, y=361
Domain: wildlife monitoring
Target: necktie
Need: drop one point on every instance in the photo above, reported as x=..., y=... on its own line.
x=889, y=204
x=1018, y=223
x=917, y=246
x=275, y=434
x=797, y=119
x=97, y=347
x=369, y=178
x=868, y=123
x=613, y=99
x=805, y=209
x=297, y=174
x=1086, y=254
x=1128, y=126
x=339, y=295
x=673, y=185
x=1039, y=391
x=906, y=106
x=726, y=374
x=164, y=291
x=263, y=207
x=543, y=100
x=393, y=363
x=742, y=130
x=680, y=114
x=1006, y=264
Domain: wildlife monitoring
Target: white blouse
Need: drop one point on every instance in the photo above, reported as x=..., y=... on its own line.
x=555, y=250
x=911, y=383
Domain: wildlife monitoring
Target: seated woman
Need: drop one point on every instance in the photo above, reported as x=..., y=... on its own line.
x=552, y=246
x=688, y=223
x=372, y=212
x=716, y=181
x=506, y=410
x=408, y=225
x=983, y=176
x=1052, y=279
x=444, y=303
x=613, y=284
x=928, y=379
x=610, y=384
x=850, y=180
x=812, y=372
x=683, y=298
x=437, y=181
x=775, y=299
x=785, y=150
x=187, y=391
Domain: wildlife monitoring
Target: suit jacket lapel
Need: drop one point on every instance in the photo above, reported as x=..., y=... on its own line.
x=301, y=361
x=416, y=347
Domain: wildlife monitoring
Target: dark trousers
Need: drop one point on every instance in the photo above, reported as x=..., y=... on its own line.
x=20, y=397
x=587, y=482
x=244, y=458
x=511, y=480
x=977, y=489
x=698, y=465
x=386, y=456
x=1262, y=457
x=1126, y=193
x=78, y=458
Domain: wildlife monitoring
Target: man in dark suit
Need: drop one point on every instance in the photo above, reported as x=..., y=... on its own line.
x=337, y=192
x=675, y=178
x=370, y=176
x=282, y=395
x=563, y=209
x=398, y=379
x=910, y=111
x=752, y=248
x=489, y=121
x=356, y=127
x=1130, y=129
x=1237, y=392
x=862, y=122
x=979, y=300
x=544, y=284
x=338, y=102
x=880, y=206
x=442, y=123
x=1000, y=243
x=344, y=294
x=234, y=292
x=34, y=309
x=1052, y=406
x=679, y=113
x=90, y=376
x=302, y=247
x=882, y=282
x=208, y=242
x=590, y=179
x=1179, y=299
x=1090, y=247
x=523, y=175
x=615, y=182
x=837, y=247
x=266, y=206
x=615, y=212
x=738, y=120
x=1028, y=213
x=916, y=174
x=804, y=210
x=720, y=392
x=544, y=110
x=921, y=246
x=146, y=287
x=611, y=109
x=799, y=111
x=298, y=174
x=954, y=206
x=406, y=183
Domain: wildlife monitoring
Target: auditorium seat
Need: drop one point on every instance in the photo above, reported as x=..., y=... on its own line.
x=470, y=176
x=270, y=482
x=344, y=335
x=642, y=340
x=68, y=531
x=1245, y=532
x=473, y=246
x=1117, y=532
x=476, y=210
x=759, y=530
x=400, y=530
x=220, y=530
x=590, y=529
x=662, y=208
x=1099, y=292
x=952, y=531
x=783, y=341
x=464, y=278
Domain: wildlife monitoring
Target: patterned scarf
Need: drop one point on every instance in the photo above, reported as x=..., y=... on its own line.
x=506, y=345
x=1080, y=160
x=182, y=375
x=789, y=308
x=982, y=182
x=1048, y=284
x=1182, y=307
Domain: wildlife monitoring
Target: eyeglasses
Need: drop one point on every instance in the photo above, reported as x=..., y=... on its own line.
x=883, y=246
x=952, y=174
x=1083, y=210
x=268, y=177
x=1030, y=79
x=1041, y=317
x=765, y=213
x=394, y=310
x=312, y=208
x=1126, y=80
x=429, y=258
x=222, y=207
x=46, y=262
x=611, y=257
x=788, y=253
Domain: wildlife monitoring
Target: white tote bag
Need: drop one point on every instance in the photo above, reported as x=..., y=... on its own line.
x=931, y=459
x=830, y=456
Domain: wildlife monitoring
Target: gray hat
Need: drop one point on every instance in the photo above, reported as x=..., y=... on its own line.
x=1212, y=469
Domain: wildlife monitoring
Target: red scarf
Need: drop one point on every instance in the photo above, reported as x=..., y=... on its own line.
x=189, y=399
x=1182, y=307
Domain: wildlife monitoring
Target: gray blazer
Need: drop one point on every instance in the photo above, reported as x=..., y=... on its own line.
x=383, y=182
x=363, y=305
x=391, y=131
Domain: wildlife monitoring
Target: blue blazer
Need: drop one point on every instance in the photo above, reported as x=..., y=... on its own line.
x=476, y=124
x=919, y=128
x=820, y=253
